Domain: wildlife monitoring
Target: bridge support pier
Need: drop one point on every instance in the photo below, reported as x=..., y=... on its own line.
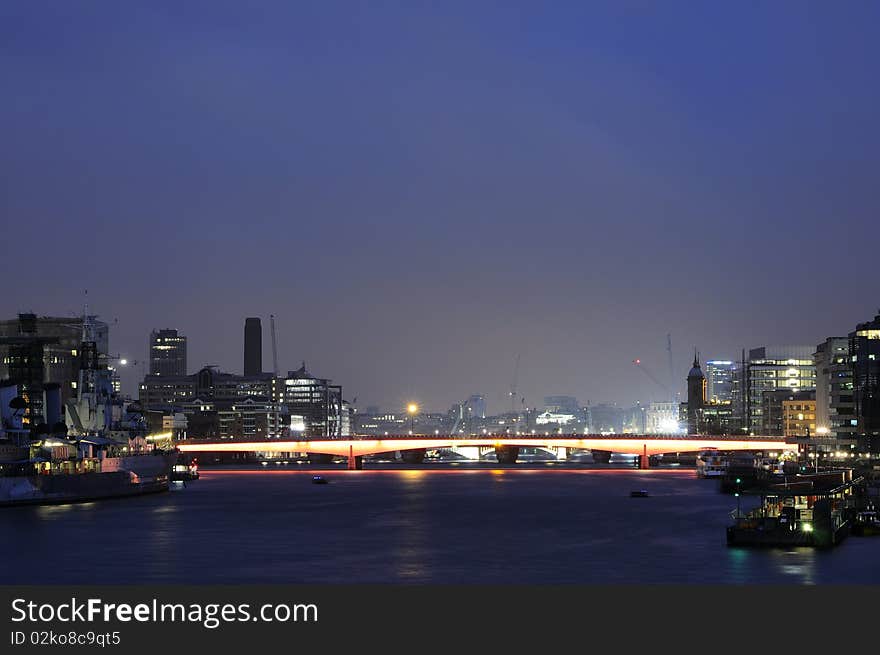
x=413, y=456
x=644, y=460
x=355, y=462
x=506, y=454
x=601, y=456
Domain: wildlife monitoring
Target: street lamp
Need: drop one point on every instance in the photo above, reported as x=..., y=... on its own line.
x=412, y=408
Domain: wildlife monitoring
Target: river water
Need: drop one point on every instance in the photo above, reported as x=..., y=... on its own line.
x=438, y=524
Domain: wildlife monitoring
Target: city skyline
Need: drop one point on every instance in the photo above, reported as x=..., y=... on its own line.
x=421, y=196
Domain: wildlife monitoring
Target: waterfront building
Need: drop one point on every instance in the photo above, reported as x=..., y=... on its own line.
x=167, y=353
x=718, y=418
x=774, y=368
x=606, y=418
x=562, y=405
x=253, y=347
x=662, y=417
x=174, y=424
x=835, y=408
x=316, y=406
x=40, y=350
x=799, y=415
x=554, y=418
x=208, y=384
x=375, y=422
x=719, y=380
x=773, y=411
x=255, y=417
x=864, y=352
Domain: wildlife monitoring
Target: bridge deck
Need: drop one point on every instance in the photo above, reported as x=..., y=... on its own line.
x=629, y=444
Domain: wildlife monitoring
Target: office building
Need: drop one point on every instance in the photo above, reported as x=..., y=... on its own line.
x=835, y=413
x=774, y=368
x=773, y=410
x=799, y=415
x=316, y=407
x=253, y=347
x=167, y=353
x=719, y=380
x=562, y=405
x=864, y=352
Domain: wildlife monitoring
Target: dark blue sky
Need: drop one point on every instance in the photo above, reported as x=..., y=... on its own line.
x=422, y=191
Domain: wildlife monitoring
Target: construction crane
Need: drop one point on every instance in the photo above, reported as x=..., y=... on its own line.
x=638, y=364
x=274, y=346
x=513, y=386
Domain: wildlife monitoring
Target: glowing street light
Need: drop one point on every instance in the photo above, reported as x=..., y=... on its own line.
x=412, y=408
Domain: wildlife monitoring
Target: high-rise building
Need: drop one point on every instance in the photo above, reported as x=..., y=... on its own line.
x=253, y=346
x=864, y=352
x=167, y=353
x=772, y=368
x=719, y=380
x=835, y=415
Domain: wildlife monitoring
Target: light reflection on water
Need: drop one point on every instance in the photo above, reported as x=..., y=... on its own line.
x=431, y=525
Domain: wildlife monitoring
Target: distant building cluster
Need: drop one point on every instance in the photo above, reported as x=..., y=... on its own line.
x=213, y=404
x=828, y=392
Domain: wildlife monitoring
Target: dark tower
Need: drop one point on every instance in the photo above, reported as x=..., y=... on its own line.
x=696, y=384
x=253, y=346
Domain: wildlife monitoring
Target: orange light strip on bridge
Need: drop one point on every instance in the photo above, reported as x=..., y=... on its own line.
x=358, y=447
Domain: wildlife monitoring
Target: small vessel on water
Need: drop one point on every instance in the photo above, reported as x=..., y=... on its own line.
x=641, y=493
x=866, y=524
x=185, y=472
x=711, y=463
x=90, y=449
x=319, y=479
x=809, y=510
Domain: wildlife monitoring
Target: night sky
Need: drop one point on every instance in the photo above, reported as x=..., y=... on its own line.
x=422, y=191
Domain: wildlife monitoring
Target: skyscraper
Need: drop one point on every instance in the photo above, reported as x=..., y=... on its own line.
x=719, y=380
x=253, y=347
x=864, y=351
x=167, y=353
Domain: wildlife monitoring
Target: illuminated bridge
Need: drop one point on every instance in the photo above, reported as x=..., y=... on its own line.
x=506, y=447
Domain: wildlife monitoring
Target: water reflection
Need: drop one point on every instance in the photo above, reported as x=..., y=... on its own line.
x=431, y=525
x=799, y=564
